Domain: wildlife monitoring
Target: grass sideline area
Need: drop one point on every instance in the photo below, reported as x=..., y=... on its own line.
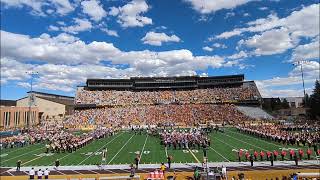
x=122, y=148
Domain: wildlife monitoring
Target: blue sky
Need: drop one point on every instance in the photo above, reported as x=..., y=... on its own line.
x=67, y=41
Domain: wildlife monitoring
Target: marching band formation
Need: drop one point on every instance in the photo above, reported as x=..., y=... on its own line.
x=184, y=139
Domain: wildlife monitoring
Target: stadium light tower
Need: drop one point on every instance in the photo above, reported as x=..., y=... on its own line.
x=300, y=63
x=31, y=98
x=319, y=69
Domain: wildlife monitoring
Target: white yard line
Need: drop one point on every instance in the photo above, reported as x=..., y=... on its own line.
x=246, y=135
x=22, y=155
x=100, y=149
x=10, y=173
x=264, y=141
x=17, y=149
x=60, y=172
x=31, y=160
x=166, y=150
x=226, y=143
x=246, y=142
x=143, y=149
x=290, y=147
x=120, y=149
x=220, y=154
x=62, y=158
x=194, y=156
x=77, y=172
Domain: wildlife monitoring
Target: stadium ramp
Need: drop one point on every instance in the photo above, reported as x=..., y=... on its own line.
x=254, y=112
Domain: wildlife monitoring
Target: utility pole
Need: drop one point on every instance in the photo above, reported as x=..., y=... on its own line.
x=31, y=98
x=319, y=69
x=300, y=63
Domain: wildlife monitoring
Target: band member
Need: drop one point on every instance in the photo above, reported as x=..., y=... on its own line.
x=255, y=154
x=315, y=148
x=261, y=155
x=309, y=152
x=300, y=154
x=275, y=154
x=46, y=173
x=57, y=163
x=295, y=159
x=18, y=165
x=251, y=159
x=204, y=146
x=240, y=153
x=47, y=148
x=163, y=168
x=31, y=174
x=136, y=160
x=268, y=155
x=271, y=159
x=169, y=158
x=247, y=155
x=291, y=153
x=283, y=154
x=104, y=156
x=39, y=174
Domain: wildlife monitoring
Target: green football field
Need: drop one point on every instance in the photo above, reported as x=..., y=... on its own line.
x=123, y=146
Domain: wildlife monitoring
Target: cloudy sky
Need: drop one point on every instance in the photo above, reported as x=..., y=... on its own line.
x=68, y=41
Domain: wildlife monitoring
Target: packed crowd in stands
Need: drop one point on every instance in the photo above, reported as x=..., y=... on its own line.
x=124, y=98
x=293, y=134
x=57, y=140
x=187, y=114
x=183, y=139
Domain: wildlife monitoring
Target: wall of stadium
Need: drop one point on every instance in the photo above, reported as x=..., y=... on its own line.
x=47, y=109
x=16, y=117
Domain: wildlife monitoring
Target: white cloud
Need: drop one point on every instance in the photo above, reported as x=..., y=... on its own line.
x=310, y=69
x=226, y=35
x=70, y=51
x=110, y=32
x=207, y=48
x=293, y=92
x=130, y=15
x=307, y=51
x=238, y=55
x=156, y=39
x=270, y=42
x=219, y=45
x=57, y=77
x=35, y=5
x=39, y=7
x=229, y=14
x=94, y=9
x=263, y=8
x=291, y=85
x=246, y=14
x=63, y=7
x=13, y=70
x=53, y=28
x=299, y=23
x=209, y=6
x=62, y=49
x=79, y=26
x=214, y=46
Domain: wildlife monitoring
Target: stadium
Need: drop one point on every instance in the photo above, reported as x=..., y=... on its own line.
x=160, y=90
x=183, y=122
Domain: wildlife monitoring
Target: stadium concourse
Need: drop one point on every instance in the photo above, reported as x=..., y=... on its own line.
x=195, y=126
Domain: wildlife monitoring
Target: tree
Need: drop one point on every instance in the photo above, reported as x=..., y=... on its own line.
x=285, y=104
x=306, y=101
x=315, y=101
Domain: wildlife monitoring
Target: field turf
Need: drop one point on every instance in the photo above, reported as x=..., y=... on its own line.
x=122, y=148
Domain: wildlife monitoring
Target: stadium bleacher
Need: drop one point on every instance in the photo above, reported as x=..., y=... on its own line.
x=153, y=100
x=254, y=112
